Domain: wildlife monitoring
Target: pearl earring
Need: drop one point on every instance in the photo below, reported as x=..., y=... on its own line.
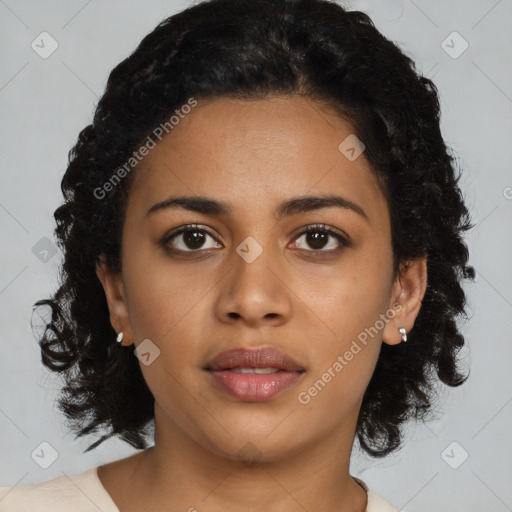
x=403, y=333
x=120, y=337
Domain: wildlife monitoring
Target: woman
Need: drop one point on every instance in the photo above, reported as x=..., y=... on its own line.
x=262, y=231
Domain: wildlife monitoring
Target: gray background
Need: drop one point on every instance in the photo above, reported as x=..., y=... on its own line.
x=46, y=102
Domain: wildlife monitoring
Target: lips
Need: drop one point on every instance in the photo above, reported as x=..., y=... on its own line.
x=259, y=358
x=253, y=375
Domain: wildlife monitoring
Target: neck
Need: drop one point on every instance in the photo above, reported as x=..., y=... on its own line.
x=186, y=474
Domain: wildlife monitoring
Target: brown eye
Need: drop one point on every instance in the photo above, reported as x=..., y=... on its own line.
x=189, y=238
x=317, y=238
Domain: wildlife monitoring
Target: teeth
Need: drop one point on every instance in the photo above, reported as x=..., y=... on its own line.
x=257, y=371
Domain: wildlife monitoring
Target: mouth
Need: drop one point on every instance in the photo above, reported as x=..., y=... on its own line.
x=254, y=375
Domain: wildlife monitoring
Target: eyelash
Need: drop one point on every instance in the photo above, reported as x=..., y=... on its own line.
x=313, y=228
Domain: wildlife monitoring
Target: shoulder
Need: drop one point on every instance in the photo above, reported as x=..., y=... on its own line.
x=80, y=493
x=378, y=504
x=375, y=502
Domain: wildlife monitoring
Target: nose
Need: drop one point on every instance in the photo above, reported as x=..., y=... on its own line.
x=254, y=291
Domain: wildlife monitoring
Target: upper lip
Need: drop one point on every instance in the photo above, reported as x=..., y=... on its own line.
x=253, y=358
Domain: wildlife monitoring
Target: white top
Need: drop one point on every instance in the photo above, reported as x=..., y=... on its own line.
x=85, y=493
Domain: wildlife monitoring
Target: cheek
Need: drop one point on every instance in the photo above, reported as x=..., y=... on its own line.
x=168, y=306
x=163, y=297
x=346, y=348
x=339, y=391
x=351, y=311
x=349, y=297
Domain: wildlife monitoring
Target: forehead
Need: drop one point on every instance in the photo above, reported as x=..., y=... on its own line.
x=256, y=153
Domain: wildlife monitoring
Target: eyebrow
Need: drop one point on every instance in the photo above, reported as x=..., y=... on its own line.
x=287, y=208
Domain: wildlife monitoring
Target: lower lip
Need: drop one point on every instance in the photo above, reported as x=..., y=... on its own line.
x=253, y=387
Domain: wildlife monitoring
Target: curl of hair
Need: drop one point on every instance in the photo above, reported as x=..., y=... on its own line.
x=252, y=49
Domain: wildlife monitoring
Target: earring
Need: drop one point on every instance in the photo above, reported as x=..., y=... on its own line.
x=120, y=337
x=403, y=332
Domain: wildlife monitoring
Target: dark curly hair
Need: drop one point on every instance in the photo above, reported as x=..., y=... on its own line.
x=252, y=49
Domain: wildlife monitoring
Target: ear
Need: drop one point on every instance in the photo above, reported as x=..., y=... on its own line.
x=116, y=299
x=408, y=291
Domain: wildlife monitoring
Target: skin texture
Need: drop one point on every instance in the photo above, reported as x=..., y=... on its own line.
x=305, y=300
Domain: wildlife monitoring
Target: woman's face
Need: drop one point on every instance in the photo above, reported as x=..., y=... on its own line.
x=250, y=278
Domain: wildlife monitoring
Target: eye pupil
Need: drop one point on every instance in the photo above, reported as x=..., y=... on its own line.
x=195, y=238
x=316, y=239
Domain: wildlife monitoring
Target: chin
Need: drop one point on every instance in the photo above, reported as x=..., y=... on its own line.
x=258, y=443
